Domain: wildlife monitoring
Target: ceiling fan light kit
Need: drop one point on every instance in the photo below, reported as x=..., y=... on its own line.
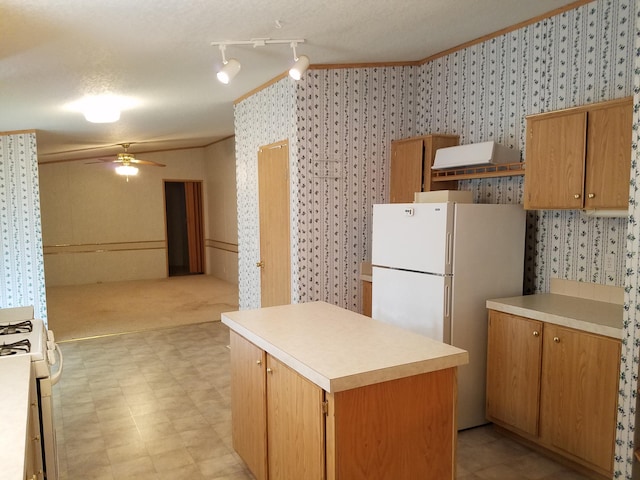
x=231, y=67
x=127, y=170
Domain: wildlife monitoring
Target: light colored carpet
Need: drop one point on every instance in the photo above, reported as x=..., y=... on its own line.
x=82, y=311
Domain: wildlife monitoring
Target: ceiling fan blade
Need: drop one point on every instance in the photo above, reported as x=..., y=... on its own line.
x=146, y=162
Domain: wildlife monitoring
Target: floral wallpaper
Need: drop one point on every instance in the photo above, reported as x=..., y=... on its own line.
x=344, y=120
x=264, y=118
x=21, y=258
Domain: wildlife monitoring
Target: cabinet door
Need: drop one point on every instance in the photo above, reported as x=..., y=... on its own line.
x=514, y=355
x=608, y=167
x=579, y=394
x=295, y=425
x=406, y=170
x=555, y=156
x=248, y=404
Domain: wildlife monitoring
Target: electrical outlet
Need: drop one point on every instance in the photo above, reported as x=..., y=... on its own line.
x=610, y=262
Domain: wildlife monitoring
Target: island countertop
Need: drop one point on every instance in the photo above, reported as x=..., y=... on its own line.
x=338, y=349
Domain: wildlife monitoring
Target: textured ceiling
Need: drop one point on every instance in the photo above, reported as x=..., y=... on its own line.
x=159, y=54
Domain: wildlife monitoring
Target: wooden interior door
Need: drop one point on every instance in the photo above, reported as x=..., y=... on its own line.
x=275, y=250
x=295, y=424
x=195, y=231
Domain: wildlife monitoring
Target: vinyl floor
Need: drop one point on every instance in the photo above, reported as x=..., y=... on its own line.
x=156, y=405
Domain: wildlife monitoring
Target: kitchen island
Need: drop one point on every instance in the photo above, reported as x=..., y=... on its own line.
x=319, y=392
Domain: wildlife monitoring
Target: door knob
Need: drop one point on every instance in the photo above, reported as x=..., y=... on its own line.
x=576, y=196
x=556, y=339
x=591, y=195
x=536, y=333
x=258, y=362
x=260, y=264
x=269, y=370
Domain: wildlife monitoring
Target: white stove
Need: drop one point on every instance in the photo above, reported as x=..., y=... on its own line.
x=21, y=334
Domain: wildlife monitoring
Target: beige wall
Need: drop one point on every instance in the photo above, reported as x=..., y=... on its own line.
x=221, y=210
x=97, y=227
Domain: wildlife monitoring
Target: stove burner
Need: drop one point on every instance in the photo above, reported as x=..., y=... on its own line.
x=21, y=346
x=20, y=327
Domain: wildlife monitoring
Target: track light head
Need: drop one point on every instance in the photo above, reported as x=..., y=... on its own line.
x=298, y=68
x=228, y=71
x=230, y=68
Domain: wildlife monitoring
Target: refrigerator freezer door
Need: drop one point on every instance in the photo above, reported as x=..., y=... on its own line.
x=413, y=236
x=416, y=301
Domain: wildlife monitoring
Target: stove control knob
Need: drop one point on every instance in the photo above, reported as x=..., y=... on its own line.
x=52, y=357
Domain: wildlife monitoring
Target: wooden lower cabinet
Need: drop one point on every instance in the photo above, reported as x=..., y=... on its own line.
x=554, y=386
x=295, y=424
x=287, y=428
x=249, y=409
x=367, y=298
x=514, y=353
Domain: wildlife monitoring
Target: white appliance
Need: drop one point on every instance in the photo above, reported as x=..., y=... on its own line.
x=474, y=154
x=434, y=265
x=21, y=334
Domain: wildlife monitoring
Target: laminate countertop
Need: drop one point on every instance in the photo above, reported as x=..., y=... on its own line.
x=338, y=349
x=15, y=377
x=591, y=316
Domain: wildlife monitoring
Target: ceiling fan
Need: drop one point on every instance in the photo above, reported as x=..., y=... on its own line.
x=127, y=162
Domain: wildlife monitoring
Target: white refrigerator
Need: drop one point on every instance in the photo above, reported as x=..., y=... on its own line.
x=434, y=265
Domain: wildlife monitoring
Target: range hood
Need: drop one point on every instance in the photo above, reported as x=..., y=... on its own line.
x=474, y=154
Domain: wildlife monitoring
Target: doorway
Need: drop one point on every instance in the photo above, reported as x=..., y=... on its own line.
x=184, y=223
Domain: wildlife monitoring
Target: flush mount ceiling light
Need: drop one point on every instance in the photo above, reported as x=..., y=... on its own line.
x=103, y=108
x=231, y=67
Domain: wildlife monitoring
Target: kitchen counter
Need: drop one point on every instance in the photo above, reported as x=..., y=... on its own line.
x=338, y=349
x=591, y=316
x=15, y=377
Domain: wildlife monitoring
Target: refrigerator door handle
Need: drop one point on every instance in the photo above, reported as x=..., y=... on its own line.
x=447, y=301
x=449, y=248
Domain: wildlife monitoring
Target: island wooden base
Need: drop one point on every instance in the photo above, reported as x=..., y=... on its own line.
x=401, y=429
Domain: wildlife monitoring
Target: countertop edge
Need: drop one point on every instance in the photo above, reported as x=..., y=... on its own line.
x=501, y=305
x=461, y=357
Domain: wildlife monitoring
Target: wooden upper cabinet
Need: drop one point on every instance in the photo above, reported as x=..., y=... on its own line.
x=579, y=157
x=411, y=162
x=609, y=157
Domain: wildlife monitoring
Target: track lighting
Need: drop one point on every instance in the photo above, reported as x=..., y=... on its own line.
x=231, y=67
x=301, y=64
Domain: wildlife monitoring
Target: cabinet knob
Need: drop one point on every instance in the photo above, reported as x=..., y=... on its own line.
x=556, y=339
x=258, y=362
x=260, y=264
x=536, y=333
x=269, y=370
x=591, y=195
x=576, y=196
